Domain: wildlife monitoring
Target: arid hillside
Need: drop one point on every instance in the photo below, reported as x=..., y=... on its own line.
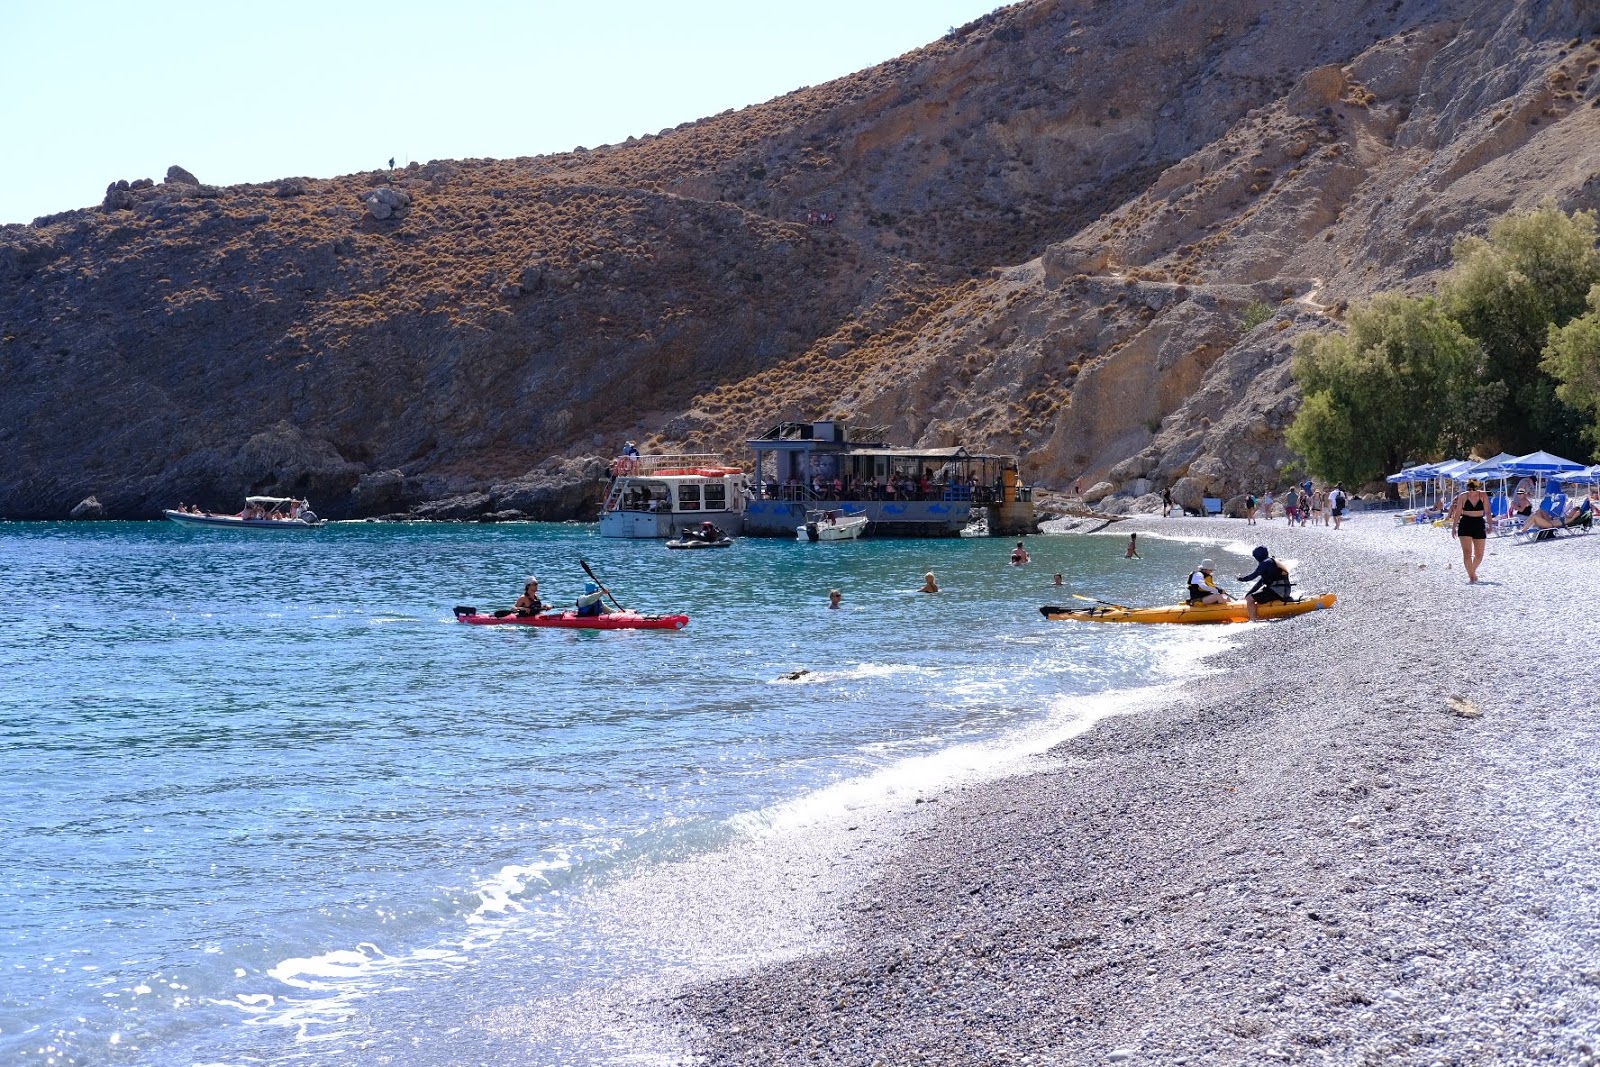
x=1046, y=228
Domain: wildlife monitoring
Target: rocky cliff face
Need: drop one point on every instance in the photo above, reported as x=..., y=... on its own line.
x=1048, y=226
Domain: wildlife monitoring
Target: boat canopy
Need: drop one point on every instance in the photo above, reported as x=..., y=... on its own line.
x=272, y=501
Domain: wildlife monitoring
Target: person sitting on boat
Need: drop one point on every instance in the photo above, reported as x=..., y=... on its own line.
x=707, y=532
x=1203, y=587
x=1272, y=582
x=529, y=603
x=1019, y=555
x=592, y=602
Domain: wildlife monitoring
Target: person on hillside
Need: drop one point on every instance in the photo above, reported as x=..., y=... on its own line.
x=1471, y=520
x=1019, y=555
x=529, y=603
x=1272, y=582
x=592, y=602
x=929, y=584
x=1203, y=587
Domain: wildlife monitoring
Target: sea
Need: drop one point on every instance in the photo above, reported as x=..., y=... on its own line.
x=264, y=801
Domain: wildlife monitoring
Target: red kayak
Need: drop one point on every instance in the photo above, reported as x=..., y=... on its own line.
x=616, y=620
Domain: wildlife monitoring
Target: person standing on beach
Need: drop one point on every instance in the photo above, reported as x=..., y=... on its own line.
x=1133, y=547
x=1471, y=520
x=1166, y=501
x=1336, y=501
x=1250, y=509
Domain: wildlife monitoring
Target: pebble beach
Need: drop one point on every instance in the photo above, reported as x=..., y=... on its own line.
x=1366, y=836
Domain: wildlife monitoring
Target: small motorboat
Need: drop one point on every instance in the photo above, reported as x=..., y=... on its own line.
x=832, y=526
x=703, y=535
x=260, y=513
x=1233, y=611
x=571, y=620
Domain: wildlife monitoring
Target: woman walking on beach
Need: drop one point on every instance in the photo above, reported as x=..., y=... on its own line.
x=1472, y=522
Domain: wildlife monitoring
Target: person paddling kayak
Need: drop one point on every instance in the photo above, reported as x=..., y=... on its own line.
x=529, y=603
x=592, y=601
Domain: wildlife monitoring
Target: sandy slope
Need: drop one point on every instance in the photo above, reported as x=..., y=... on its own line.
x=1309, y=858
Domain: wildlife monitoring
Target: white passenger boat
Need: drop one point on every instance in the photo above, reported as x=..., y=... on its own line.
x=260, y=513
x=832, y=525
x=656, y=496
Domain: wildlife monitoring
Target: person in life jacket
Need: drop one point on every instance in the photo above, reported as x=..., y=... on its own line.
x=1272, y=582
x=591, y=603
x=1203, y=588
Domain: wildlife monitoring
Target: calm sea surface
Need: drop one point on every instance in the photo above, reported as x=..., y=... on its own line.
x=263, y=801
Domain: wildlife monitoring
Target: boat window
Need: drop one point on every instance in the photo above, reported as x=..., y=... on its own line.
x=716, y=496
x=688, y=497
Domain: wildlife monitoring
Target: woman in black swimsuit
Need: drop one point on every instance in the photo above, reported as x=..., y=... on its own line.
x=1470, y=514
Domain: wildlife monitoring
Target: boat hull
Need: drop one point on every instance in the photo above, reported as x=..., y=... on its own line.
x=567, y=620
x=726, y=542
x=1189, y=613
x=234, y=522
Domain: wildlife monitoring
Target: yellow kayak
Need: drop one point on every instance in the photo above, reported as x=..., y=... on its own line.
x=1231, y=612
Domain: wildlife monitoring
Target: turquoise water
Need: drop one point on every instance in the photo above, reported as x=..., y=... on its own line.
x=264, y=801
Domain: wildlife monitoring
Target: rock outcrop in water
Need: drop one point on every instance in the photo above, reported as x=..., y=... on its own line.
x=1046, y=228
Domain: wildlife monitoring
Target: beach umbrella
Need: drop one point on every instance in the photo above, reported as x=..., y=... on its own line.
x=1541, y=463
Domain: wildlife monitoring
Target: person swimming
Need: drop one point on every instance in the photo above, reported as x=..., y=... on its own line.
x=929, y=585
x=1019, y=555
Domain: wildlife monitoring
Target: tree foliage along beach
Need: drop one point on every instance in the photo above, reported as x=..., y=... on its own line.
x=1504, y=358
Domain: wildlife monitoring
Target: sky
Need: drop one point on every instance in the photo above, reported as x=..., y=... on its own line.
x=92, y=91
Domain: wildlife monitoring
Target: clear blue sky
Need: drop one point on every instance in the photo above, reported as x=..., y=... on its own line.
x=92, y=91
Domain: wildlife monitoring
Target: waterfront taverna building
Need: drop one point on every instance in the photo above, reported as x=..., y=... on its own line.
x=905, y=492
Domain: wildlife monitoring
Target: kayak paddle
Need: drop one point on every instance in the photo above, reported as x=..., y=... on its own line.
x=1092, y=600
x=597, y=581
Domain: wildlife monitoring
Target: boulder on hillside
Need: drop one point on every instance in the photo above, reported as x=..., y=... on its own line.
x=556, y=490
x=118, y=198
x=286, y=461
x=387, y=202
x=176, y=175
x=462, y=506
x=1098, y=492
x=379, y=493
x=1189, y=494
x=88, y=508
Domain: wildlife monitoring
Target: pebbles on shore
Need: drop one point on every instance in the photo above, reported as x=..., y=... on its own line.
x=1371, y=838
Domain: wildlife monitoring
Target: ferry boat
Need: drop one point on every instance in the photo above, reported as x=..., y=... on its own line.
x=656, y=497
x=804, y=467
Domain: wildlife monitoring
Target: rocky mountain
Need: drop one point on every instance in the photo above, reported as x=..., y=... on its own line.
x=1049, y=233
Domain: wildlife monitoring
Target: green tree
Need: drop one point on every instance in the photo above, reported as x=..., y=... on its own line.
x=1403, y=381
x=1533, y=272
x=1572, y=357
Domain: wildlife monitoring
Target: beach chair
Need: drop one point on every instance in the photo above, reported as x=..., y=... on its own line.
x=1580, y=521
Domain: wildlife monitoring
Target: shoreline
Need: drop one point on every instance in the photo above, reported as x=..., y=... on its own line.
x=1308, y=856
